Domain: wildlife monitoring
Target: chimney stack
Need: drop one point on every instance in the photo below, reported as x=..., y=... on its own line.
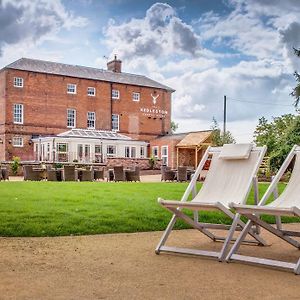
x=115, y=65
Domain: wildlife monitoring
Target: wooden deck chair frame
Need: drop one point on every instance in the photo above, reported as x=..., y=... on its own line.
x=253, y=212
x=176, y=208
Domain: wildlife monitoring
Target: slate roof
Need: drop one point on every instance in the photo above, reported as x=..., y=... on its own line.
x=40, y=66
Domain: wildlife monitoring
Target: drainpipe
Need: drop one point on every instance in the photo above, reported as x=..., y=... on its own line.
x=163, y=118
x=40, y=150
x=111, y=88
x=53, y=150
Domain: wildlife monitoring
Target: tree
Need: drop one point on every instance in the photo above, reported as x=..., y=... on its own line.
x=219, y=139
x=296, y=91
x=174, y=126
x=279, y=136
x=270, y=133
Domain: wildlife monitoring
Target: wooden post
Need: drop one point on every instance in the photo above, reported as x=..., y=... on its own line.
x=196, y=157
x=224, y=121
x=177, y=158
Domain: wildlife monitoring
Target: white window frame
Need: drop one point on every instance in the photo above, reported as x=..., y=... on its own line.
x=114, y=122
x=142, y=152
x=72, y=88
x=127, y=152
x=18, y=82
x=91, y=119
x=133, y=152
x=136, y=96
x=74, y=117
x=17, y=142
x=91, y=91
x=155, y=148
x=115, y=94
x=18, y=113
x=114, y=147
x=62, y=154
x=164, y=156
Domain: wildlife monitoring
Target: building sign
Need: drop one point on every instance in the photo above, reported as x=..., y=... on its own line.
x=154, y=112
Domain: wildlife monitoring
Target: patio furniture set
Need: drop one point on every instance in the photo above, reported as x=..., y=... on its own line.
x=119, y=173
x=66, y=173
x=72, y=173
x=180, y=174
x=232, y=173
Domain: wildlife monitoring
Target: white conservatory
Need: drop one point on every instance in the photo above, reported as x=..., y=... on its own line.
x=87, y=146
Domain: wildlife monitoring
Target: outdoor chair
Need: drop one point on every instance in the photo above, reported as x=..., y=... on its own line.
x=87, y=175
x=99, y=174
x=70, y=174
x=51, y=175
x=182, y=174
x=119, y=174
x=4, y=174
x=287, y=204
x=229, y=179
x=133, y=175
x=31, y=174
x=167, y=174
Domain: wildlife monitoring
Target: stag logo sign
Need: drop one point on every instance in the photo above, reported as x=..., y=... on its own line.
x=155, y=110
x=154, y=99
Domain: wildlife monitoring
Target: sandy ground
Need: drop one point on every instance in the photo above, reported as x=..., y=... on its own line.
x=124, y=266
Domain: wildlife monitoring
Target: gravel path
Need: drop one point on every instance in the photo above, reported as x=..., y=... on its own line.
x=124, y=266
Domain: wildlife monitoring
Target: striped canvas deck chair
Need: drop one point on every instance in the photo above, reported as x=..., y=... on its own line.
x=229, y=179
x=287, y=204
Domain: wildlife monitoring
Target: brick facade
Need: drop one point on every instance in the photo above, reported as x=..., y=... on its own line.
x=170, y=142
x=45, y=100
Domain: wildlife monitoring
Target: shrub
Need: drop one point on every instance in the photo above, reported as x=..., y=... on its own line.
x=152, y=161
x=15, y=165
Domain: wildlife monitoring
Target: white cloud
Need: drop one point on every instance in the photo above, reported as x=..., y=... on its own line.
x=33, y=20
x=159, y=33
x=148, y=47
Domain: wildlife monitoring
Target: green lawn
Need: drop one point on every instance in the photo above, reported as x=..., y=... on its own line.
x=65, y=208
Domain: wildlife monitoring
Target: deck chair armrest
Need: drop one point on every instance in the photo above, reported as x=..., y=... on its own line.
x=262, y=209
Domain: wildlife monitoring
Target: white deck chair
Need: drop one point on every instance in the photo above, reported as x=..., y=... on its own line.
x=287, y=204
x=232, y=171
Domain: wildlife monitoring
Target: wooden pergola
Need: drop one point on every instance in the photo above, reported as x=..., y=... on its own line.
x=195, y=141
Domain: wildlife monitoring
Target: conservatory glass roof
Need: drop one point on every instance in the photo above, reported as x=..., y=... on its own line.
x=95, y=134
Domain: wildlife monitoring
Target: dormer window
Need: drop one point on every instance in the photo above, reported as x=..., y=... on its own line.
x=18, y=82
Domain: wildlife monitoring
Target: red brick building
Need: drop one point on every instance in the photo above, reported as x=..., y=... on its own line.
x=42, y=99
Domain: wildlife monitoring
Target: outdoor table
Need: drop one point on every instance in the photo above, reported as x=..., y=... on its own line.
x=43, y=172
x=110, y=174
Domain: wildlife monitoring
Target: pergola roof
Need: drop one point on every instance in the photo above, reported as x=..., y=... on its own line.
x=91, y=133
x=194, y=139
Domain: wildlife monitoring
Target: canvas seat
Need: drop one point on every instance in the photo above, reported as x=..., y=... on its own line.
x=287, y=204
x=230, y=177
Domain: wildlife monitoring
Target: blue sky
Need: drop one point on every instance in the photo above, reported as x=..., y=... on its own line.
x=204, y=49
